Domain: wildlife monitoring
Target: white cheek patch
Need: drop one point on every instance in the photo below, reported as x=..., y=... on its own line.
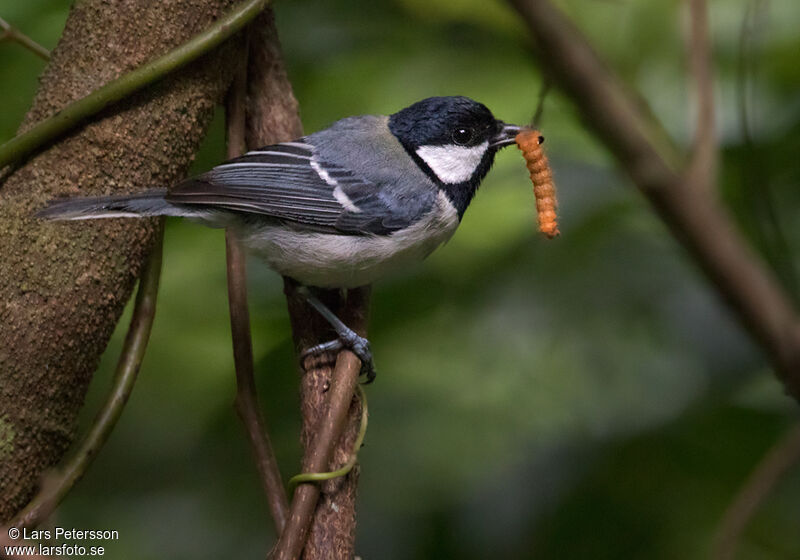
x=451, y=163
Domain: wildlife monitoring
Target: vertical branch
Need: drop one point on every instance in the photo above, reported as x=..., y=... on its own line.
x=246, y=396
x=326, y=397
x=702, y=171
x=326, y=526
x=332, y=533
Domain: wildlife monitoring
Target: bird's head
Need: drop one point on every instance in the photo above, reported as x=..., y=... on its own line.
x=454, y=141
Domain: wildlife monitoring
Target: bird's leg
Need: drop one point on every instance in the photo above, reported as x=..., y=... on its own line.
x=347, y=337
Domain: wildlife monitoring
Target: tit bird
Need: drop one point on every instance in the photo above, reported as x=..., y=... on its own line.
x=341, y=207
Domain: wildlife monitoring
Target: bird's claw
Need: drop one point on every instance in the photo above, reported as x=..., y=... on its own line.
x=347, y=337
x=357, y=344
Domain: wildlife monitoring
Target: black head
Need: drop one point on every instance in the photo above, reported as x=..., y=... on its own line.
x=454, y=140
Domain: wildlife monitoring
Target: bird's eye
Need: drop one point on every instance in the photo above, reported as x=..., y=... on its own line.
x=463, y=136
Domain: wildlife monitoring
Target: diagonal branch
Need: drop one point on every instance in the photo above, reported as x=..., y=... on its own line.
x=78, y=111
x=11, y=33
x=702, y=169
x=246, y=398
x=695, y=218
x=778, y=461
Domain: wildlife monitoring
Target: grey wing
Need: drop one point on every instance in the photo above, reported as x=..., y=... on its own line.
x=287, y=182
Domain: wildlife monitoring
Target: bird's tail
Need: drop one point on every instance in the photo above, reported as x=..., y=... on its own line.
x=149, y=203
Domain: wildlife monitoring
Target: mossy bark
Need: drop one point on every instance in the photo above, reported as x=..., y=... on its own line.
x=63, y=286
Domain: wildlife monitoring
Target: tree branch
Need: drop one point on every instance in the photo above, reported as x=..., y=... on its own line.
x=11, y=33
x=246, y=395
x=78, y=111
x=55, y=488
x=329, y=405
x=272, y=117
x=778, y=461
x=351, y=462
x=695, y=218
x=702, y=170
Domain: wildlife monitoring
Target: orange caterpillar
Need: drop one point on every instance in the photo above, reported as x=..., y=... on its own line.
x=530, y=142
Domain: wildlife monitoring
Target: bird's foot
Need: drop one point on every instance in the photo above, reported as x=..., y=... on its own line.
x=357, y=344
x=347, y=338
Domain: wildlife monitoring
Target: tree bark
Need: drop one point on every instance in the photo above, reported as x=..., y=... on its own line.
x=64, y=286
x=333, y=528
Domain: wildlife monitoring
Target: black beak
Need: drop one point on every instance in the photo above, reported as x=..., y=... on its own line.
x=505, y=135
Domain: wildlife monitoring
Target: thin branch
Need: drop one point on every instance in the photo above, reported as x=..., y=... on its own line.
x=11, y=33
x=544, y=88
x=54, y=489
x=319, y=454
x=246, y=395
x=696, y=219
x=702, y=170
x=778, y=461
x=76, y=112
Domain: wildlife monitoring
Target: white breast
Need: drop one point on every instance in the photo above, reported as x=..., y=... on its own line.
x=347, y=261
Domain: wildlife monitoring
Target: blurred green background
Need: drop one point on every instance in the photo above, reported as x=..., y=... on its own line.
x=586, y=397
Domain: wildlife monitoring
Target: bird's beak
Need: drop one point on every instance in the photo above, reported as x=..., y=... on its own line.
x=505, y=135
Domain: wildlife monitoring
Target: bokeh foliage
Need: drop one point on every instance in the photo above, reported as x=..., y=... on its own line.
x=587, y=397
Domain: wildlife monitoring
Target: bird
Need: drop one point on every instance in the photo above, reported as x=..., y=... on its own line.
x=341, y=207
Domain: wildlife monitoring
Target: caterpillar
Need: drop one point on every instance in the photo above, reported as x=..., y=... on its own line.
x=530, y=142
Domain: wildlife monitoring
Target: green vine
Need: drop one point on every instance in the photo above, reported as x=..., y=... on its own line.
x=301, y=478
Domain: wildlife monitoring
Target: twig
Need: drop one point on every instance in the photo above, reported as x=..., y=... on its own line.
x=319, y=454
x=696, y=219
x=54, y=489
x=76, y=112
x=544, y=88
x=11, y=33
x=702, y=171
x=246, y=395
x=778, y=461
